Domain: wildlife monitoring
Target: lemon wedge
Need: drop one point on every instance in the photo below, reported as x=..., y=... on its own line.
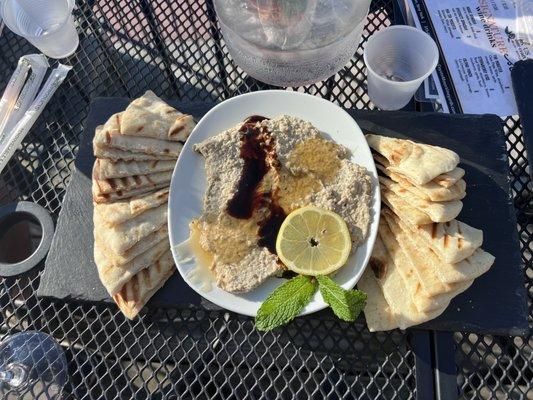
x=313, y=241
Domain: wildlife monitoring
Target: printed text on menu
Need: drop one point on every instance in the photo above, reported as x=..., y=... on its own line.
x=480, y=47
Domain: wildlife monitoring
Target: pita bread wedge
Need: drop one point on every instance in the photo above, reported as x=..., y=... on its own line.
x=446, y=180
x=429, y=282
x=428, y=272
x=419, y=162
x=110, y=136
x=429, y=191
x=408, y=315
x=113, y=277
x=378, y=314
x=136, y=250
x=110, y=185
x=123, y=155
x=119, y=238
x=423, y=301
x=137, y=144
x=449, y=179
x=420, y=278
x=379, y=159
x=452, y=241
x=437, y=211
x=100, y=198
x=134, y=295
x=395, y=291
x=104, y=168
x=113, y=154
x=149, y=116
x=405, y=210
x=468, y=269
x=121, y=211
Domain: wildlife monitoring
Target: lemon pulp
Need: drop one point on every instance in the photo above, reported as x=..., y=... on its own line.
x=313, y=241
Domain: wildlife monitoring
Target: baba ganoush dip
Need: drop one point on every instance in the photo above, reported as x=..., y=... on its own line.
x=258, y=172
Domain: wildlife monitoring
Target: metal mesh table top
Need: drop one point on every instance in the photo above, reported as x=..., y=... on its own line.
x=175, y=49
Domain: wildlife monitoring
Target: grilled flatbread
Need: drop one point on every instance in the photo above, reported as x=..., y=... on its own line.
x=134, y=295
x=380, y=160
x=137, y=144
x=139, y=248
x=104, y=169
x=113, y=276
x=437, y=211
x=110, y=136
x=378, y=314
x=149, y=116
x=395, y=291
x=418, y=293
x=119, y=238
x=121, y=211
x=123, y=155
x=405, y=210
x=452, y=241
x=113, y=154
x=419, y=162
x=100, y=198
x=449, y=179
x=446, y=180
x=468, y=269
x=413, y=269
x=429, y=272
x=110, y=185
x=429, y=191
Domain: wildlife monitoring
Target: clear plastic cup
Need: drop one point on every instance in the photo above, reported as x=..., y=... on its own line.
x=47, y=24
x=398, y=59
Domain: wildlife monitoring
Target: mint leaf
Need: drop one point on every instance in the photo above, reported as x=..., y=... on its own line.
x=285, y=303
x=346, y=304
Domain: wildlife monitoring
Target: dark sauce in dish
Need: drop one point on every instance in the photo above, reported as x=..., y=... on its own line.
x=269, y=227
x=246, y=200
x=253, y=152
x=253, y=119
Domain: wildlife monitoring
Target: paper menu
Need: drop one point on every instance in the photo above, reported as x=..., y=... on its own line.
x=479, y=45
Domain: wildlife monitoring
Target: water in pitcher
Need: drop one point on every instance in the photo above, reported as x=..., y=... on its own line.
x=47, y=24
x=291, y=43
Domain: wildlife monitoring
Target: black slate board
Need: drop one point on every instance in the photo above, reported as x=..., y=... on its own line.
x=522, y=79
x=70, y=271
x=496, y=302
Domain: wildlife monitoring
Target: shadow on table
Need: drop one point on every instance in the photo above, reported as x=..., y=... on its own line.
x=169, y=352
x=40, y=170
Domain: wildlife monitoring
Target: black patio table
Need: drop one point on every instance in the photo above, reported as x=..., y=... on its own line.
x=175, y=49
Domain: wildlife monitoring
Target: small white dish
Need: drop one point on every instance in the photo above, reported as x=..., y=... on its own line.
x=188, y=184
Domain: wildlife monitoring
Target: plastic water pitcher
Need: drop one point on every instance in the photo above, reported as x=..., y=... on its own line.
x=292, y=43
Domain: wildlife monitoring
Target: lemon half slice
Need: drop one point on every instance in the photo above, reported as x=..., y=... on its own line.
x=313, y=241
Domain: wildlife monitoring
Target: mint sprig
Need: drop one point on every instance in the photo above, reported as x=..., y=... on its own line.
x=346, y=304
x=285, y=303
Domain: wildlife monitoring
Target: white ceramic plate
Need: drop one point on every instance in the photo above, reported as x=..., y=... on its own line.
x=188, y=183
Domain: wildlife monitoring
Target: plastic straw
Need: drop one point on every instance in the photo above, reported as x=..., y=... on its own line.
x=19, y=92
x=12, y=91
x=21, y=129
x=38, y=67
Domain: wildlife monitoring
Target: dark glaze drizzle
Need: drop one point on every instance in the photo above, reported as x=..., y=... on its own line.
x=246, y=200
x=254, y=119
x=253, y=152
x=269, y=227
